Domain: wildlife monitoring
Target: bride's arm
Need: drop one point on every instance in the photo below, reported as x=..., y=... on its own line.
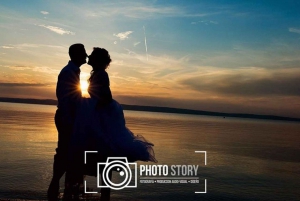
x=101, y=89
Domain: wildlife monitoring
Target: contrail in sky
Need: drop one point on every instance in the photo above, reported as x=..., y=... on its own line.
x=145, y=42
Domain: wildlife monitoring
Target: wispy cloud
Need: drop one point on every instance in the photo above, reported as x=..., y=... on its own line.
x=57, y=30
x=248, y=82
x=294, y=30
x=7, y=47
x=123, y=35
x=45, y=69
x=91, y=14
x=141, y=11
x=8, y=84
x=206, y=22
x=41, y=69
x=184, y=14
x=130, y=52
x=22, y=89
x=137, y=43
x=146, y=43
x=19, y=67
x=155, y=68
x=44, y=12
x=30, y=45
x=136, y=10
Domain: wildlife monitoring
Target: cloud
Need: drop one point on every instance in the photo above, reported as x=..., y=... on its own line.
x=32, y=45
x=20, y=67
x=8, y=84
x=130, y=52
x=204, y=14
x=206, y=22
x=247, y=82
x=146, y=47
x=276, y=55
x=115, y=42
x=42, y=69
x=293, y=30
x=123, y=35
x=91, y=14
x=44, y=12
x=7, y=47
x=45, y=69
x=137, y=10
x=154, y=66
x=26, y=90
x=135, y=44
x=146, y=11
x=57, y=30
x=250, y=106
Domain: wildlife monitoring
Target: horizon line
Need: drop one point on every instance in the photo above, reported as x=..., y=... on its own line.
x=162, y=109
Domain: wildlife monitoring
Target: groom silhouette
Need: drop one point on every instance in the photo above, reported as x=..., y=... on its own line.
x=68, y=95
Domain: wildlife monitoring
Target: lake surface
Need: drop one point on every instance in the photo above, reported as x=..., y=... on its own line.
x=246, y=159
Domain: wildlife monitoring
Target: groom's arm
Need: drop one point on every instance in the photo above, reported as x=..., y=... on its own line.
x=68, y=92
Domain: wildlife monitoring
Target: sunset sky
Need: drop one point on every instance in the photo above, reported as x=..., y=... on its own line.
x=216, y=55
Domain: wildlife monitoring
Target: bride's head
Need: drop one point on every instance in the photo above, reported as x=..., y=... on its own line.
x=99, y=59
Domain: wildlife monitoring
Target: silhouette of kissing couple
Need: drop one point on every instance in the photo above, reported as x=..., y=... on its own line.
x=83, y=124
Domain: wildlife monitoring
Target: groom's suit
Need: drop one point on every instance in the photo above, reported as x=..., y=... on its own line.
x=68, y=95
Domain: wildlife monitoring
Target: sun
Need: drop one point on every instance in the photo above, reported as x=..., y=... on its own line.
x=84, y=85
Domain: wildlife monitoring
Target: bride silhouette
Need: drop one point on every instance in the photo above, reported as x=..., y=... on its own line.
x=100, y=124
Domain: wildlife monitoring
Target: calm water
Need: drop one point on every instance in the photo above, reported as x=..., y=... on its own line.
x=247, y=159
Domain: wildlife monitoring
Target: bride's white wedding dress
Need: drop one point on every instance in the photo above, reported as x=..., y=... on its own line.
x=103, y=129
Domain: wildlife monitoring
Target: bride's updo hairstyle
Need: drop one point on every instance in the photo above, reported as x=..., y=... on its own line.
x=99, y=59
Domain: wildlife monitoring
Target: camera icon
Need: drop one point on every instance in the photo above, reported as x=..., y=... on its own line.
x=125, y=174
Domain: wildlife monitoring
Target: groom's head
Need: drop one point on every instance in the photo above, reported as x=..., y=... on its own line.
x=77, y=54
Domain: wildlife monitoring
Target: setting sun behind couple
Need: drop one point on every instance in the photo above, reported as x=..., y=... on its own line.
x=84, y=85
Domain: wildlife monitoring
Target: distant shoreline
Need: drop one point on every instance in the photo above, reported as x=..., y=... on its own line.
x=160, y=109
